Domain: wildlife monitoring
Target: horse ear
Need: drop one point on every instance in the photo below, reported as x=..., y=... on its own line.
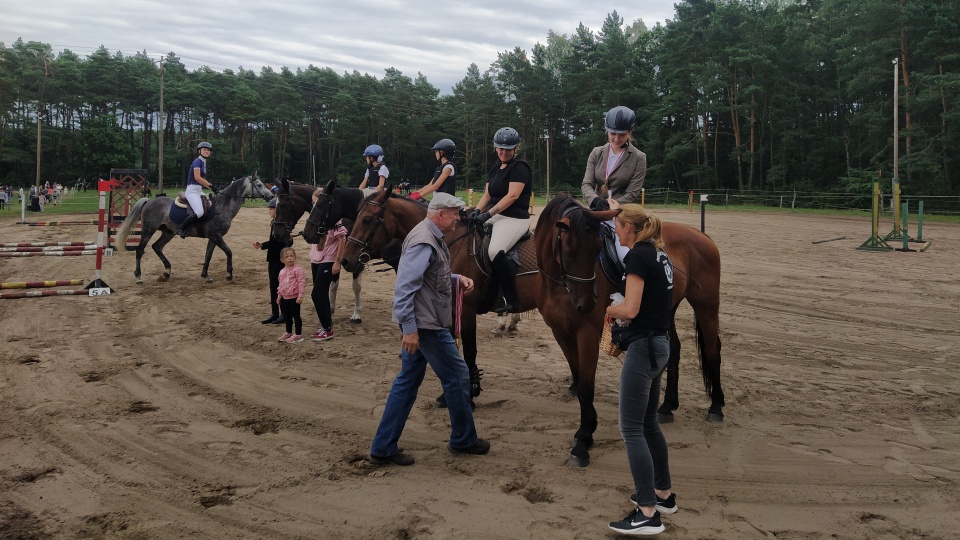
x=286, y=185
x=564, y=224
x=331, y=185
x=606, y=215
x=389, y=189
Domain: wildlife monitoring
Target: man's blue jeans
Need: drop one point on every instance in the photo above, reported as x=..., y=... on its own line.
x=437, y=348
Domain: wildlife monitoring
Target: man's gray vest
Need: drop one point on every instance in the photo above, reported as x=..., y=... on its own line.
x=433, y=302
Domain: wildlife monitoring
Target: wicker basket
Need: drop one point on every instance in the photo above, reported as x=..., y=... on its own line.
x=606, y=340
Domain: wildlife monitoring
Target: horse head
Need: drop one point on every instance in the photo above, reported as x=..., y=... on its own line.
x=374, y=227
x=253, y=187
x=567, y=252
x=287, y=212
x=323, y=216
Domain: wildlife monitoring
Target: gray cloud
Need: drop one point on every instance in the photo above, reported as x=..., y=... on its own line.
x=439, y=39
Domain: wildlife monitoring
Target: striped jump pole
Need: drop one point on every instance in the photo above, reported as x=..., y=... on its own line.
x=47, y=253
x=46, y=249
x=45, y=244
x=40, y=284
x=98, y=285
x=49, y=292
x=56, y=223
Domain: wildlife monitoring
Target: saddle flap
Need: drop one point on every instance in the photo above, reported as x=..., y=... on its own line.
x=610, y=261
x=182, y=201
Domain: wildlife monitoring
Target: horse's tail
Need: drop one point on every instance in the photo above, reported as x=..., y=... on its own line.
x=132, y=218
x=709, y=369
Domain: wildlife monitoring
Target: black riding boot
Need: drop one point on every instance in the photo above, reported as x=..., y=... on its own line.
x=189, y=220
x=505, y=271
x=489, y=295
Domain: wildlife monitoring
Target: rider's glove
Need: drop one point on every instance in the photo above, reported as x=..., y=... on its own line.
x=599, y=204
x=416, y=196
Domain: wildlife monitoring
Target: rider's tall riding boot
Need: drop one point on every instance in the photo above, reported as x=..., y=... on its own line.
x=489, y=295
x=189, y=220
x=505, y=271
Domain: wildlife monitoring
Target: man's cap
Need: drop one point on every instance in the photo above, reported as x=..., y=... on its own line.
x=272, y=203
x=443, y=200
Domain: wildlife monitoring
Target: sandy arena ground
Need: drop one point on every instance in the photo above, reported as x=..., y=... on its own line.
x=167, y=411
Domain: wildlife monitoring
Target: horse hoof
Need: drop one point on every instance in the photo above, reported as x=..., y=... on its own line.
x=356, y=321
x=714, y=417
x=664, y=418
x=163, y=278
x=229, y=277
x=578, y=462
x=208, y=280
x=139, y=281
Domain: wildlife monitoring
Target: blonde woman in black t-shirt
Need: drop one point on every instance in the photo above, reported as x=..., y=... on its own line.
x=641, y=323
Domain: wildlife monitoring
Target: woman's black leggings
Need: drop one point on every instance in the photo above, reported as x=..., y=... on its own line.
x=322, y=277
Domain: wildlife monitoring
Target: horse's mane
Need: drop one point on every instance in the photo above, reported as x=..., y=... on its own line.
x=348, y=196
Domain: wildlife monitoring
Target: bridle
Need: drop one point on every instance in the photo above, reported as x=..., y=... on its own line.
x=322, y=227
x=364, y=257
x=565, y=278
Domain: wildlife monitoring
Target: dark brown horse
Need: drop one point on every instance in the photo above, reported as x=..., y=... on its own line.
x=383, y=217
x=568, y=244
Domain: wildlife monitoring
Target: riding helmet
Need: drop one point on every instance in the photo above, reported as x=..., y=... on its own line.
x=204, y=144
x=620, y=119
x=506, y=137
x=446, y=146
x=373, y=150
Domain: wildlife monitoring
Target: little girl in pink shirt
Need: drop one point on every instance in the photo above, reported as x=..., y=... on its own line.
x=293, y=283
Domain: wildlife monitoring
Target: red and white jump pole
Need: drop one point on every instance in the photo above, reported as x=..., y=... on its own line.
x=40, y=284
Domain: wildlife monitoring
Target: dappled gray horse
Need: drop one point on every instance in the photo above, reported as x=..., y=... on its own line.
x=155, y=215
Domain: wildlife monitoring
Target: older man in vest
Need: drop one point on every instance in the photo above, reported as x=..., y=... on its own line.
x=422, y=305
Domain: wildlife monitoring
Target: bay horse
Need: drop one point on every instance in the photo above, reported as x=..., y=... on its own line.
x=383, y=217
x=155, y=216
x=568, y=244
x=334, y=204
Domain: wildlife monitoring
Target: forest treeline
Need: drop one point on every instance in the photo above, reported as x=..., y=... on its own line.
x=730, y=94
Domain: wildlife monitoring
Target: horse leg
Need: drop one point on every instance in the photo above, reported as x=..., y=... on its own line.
x=468, y=341
x=356, y=318
x=708, y=343
x=587, y=340
x=500, y=326
x=140, y=248
x=206, y=260
x=165, y=237
x=512, y=327
x=332, y=292
x=671, y=396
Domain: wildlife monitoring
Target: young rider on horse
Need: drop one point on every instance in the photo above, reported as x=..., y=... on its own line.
x=505, y=203
x=377, y=173
x=196, y=181
x=444, y=178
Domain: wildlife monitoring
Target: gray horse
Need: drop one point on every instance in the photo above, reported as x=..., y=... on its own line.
x=155, y=215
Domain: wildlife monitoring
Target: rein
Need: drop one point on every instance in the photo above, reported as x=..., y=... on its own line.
x=564, y=278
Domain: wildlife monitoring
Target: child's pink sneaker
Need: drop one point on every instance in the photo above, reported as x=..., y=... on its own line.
x=294, y=338
x=284, y=336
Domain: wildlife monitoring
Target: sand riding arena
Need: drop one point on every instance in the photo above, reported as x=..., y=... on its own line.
x=165, y=410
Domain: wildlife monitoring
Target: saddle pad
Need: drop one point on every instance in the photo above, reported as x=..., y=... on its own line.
x=523, y=253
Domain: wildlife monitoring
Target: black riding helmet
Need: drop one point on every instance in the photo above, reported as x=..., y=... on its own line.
x=446, y=146
x=620, y=119
x=506, y=137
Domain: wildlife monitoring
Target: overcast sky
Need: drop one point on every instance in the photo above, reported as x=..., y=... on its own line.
x=437, y=38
